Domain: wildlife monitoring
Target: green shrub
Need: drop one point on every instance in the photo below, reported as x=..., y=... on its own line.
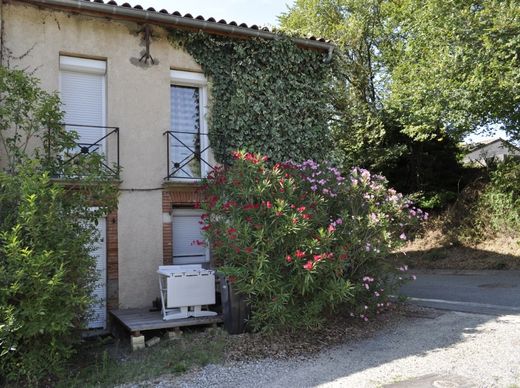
x=434, y=200
x=500, y=202
x=46, y=232
x=300, y=239
x=46, y=273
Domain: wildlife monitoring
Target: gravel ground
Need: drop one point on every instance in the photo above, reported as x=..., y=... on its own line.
x=481, y=350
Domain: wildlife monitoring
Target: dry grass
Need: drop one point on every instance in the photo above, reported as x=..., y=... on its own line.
x=438, y=250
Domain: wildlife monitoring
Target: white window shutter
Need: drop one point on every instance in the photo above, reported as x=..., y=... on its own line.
x=82, y=87
x=186, y=230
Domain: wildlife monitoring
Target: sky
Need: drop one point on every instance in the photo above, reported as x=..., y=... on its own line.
x=259, y=12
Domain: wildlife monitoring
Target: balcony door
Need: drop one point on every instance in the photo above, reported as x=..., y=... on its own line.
x=188, y=141
x=83, y=94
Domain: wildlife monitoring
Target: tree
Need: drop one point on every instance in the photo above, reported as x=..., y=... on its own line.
x=413, y=78
x=454, y=66
x=361, y=128
x=436, y=68
x=46, y=232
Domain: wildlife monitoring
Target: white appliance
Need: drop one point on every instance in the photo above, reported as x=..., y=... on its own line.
x=185, y=289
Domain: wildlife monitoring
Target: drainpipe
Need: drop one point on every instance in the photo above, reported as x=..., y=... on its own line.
x=327, y=59
x=1, y=32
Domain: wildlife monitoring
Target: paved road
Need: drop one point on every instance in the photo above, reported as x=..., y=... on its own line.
x=481, y=292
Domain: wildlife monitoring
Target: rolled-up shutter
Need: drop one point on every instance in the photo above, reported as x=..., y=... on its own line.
x=82, y=92
x=186, y=231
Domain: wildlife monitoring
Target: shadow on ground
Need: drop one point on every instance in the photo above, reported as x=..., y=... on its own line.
x=415, y=339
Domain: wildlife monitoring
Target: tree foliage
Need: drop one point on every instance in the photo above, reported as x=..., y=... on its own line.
x=413, y=78
x=455, y=66
x=362, y=129
x=436, y=67
x=29, y=116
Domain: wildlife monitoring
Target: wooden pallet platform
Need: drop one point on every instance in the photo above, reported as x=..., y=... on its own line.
x=137, y=320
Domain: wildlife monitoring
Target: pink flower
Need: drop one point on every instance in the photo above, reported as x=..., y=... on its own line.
x=300, y=254
x=402, y=236
x=308, y=265
x=237, y=154
x=331, y=228
x=288, y=258
x=268, y=205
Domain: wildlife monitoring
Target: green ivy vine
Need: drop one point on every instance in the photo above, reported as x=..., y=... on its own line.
x=267, y=96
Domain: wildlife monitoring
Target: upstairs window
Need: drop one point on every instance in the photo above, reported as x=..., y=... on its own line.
x=188, y=141
x=83, y=93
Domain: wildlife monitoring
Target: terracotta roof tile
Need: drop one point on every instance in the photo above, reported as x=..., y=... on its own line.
x=200, y=17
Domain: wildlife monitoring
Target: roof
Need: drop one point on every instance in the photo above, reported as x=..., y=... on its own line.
x=175, y=19
x=472, y=147
x=476, y=146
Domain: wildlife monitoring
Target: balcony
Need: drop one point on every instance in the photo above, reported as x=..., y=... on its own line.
x=188, y=156
x=93, y=140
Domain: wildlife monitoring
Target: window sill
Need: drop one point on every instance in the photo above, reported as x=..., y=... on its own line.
x=180, y=183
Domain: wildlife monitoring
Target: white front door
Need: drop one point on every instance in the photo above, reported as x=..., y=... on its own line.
x=99, y=308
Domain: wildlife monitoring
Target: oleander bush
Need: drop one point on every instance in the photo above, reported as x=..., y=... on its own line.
x=301, y=240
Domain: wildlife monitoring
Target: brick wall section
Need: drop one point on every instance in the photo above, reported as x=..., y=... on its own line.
x=175, y=196
x=112, y=262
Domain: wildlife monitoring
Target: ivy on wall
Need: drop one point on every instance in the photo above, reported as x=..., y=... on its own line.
x=267, y=96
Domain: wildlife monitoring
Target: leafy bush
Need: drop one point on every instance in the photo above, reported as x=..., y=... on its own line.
x=46, y=232
x=301, y=239
x=434, y=200
x=46, y=272
x=500, y=202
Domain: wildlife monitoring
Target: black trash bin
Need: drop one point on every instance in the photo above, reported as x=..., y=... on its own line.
x=235, y=308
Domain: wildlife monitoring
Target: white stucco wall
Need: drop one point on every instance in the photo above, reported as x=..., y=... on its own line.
x=138, y=102
x=497, y=150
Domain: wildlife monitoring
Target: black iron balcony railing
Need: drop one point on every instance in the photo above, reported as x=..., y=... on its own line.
x=187, y=155
x=105, y=143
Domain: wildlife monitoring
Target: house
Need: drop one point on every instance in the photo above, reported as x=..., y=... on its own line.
x=496, y=150
x=140, y=102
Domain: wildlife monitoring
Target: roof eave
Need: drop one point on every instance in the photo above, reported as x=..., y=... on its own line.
x=165, y=19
